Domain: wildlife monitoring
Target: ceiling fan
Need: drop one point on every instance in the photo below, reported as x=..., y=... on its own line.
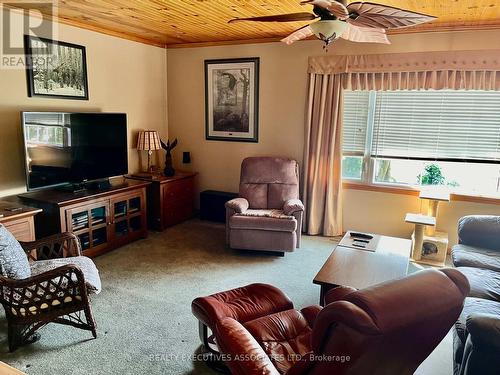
x=357, y=22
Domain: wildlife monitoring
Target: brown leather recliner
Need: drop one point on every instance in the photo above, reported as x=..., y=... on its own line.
x=386, y=329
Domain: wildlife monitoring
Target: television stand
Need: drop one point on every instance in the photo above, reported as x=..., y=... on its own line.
x=102, y=219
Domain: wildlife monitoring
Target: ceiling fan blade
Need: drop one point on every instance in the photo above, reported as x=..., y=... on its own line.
x=385, y=17
x=302, y=33
x=304, y=16
x=336, y=8
x=365, y=34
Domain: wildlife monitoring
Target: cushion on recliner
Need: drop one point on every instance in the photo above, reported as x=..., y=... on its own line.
x=284, y=336
x=13, y=260
x=483, y=283
x=263, y=223
x=86, y=265
x=469, y=256
x=278, y=194
x=255, y=194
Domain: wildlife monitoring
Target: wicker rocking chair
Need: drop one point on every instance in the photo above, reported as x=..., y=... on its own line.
x=59, y=295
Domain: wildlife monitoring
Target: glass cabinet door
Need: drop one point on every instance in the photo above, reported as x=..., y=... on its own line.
x=90, y=224
x=127, y=215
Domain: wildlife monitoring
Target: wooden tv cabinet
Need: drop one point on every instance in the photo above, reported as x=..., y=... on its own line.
x=103, y=219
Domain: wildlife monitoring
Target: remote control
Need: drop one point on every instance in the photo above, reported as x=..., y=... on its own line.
x=361, y=235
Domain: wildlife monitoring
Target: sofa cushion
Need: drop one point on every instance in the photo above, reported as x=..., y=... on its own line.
x=469, y=256
x=471, y=305
x=13, y=260
x=483, y=283
x=248, y=221
x=283, y=336
x=86, y=265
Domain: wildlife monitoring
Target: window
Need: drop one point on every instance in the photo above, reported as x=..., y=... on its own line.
x=48, y=130
x=423, y=138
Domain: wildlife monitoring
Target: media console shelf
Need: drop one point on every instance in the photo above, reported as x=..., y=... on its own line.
x=103, y=219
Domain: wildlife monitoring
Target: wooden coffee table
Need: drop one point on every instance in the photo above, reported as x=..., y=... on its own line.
x=384, y=258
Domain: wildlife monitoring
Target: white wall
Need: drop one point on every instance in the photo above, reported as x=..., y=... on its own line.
x=123, y=76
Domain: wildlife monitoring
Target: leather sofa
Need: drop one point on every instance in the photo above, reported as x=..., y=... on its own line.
x=386, y=329
x=267, y=215
x=477, y=332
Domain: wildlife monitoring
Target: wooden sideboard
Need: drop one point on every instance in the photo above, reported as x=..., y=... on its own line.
x=19, y=220
x=170, y=199
x=103, y=219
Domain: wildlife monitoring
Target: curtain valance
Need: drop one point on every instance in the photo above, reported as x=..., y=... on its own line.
x=457, y=70
x=406, y=62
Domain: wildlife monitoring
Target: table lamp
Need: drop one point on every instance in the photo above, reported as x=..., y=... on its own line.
x=148, y=140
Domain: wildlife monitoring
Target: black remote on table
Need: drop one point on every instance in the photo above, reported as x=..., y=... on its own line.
x=361, y=235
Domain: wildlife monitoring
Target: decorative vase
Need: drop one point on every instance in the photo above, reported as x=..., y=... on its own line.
x=169, y=170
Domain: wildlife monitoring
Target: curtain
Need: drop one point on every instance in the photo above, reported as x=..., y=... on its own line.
x=323, y=156
x=329, y=75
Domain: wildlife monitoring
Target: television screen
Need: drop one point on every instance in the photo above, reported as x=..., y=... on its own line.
x=65, y=148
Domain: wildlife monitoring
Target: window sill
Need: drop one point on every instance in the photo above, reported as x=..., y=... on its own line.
x=415, y=192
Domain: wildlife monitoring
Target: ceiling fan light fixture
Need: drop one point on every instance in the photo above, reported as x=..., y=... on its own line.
x=328, y=30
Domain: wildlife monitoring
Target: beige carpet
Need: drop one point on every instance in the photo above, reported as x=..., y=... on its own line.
x=144, y=319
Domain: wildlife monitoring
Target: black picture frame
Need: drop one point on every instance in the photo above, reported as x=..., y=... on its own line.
x=31, y=55
x=222, y=124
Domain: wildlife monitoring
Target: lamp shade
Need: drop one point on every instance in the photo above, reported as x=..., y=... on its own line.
x=148, y=140
x=327, y=29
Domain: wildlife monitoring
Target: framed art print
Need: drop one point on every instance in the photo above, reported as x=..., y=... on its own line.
x=232, y=99
x=55, y=69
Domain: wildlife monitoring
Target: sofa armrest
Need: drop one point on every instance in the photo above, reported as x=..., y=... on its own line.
x=338, y=293
x=310, y=313
x=480, y=231
x=484, y=330
x=238, y=205
x=240, y=351
x=293, y=205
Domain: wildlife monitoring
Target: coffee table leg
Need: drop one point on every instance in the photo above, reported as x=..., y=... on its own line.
x=322, y=293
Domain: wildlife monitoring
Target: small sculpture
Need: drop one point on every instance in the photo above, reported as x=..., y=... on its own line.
x=169, y=170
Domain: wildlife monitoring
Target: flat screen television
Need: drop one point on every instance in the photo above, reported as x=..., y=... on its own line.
x=72, y=148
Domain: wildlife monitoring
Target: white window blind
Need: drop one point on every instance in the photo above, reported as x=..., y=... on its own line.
x=355, y=121
x=437, y=125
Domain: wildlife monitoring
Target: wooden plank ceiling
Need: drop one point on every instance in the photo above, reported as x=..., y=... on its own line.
x=197, y=22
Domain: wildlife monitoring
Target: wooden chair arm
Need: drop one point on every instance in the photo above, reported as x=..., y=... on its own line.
x=61, y=245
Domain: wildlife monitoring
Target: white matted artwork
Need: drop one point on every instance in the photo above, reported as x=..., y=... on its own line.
x=232, y=99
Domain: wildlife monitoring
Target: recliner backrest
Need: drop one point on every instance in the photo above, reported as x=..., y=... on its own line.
x=389, y=328
x=268, y=182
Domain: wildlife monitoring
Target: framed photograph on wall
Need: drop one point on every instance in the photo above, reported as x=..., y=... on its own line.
x=55, y=69
x=232, y=99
